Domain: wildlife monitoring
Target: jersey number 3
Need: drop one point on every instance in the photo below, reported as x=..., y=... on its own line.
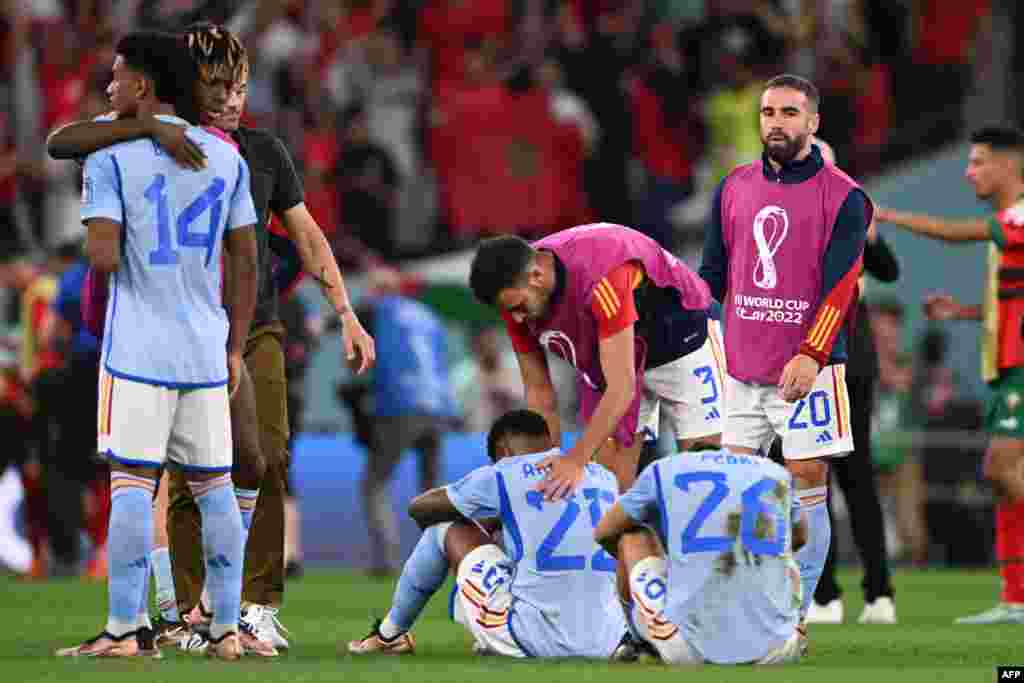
x=208, y=200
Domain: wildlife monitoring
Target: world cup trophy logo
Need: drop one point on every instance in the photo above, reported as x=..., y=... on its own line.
x=771, y=224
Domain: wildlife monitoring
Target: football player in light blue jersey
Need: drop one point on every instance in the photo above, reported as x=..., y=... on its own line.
x=728, y=591
x=158, y=230
x=552, y=595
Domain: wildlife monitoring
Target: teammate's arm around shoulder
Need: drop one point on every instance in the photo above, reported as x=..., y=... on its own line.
x=973, y=230
x=80, y=138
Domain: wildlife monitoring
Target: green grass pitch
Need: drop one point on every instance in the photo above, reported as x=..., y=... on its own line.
x=326, y=607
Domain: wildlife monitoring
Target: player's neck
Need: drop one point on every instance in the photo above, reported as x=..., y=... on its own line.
x=1008, y=197
x=800, y=156
x=156, y=108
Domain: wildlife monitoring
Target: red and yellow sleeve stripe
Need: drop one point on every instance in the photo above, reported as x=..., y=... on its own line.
x=831, y=316
x=607, y=298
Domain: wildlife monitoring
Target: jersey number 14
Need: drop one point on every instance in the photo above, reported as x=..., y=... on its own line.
x=209, y=200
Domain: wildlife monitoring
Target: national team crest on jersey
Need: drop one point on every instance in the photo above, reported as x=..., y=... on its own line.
x=771, y=225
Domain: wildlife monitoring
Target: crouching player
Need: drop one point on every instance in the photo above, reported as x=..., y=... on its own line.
x=552, y=594
x=728, y=591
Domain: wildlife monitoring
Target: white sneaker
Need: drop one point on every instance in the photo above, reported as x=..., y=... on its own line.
x=262, y=623
x=881, y=611
x=272, y=627
x=831, y=613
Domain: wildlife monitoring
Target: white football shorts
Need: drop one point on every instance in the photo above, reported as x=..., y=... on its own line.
x=816, y=426
x=690, y=391
x=482, y=601
x=148, y=424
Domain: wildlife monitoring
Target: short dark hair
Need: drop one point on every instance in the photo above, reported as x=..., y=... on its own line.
x=798, y=83
x=1000, y=138
x=158, y=56
x=515, y=422
x=499, y=263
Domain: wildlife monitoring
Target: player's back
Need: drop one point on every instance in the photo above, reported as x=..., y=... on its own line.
x=726, y=524
x=166, y=323
x=565, y=583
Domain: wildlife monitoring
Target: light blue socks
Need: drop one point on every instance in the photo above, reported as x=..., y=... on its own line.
x=129, y=542
x=422, y=575
x=811, y=558
x=223, y=547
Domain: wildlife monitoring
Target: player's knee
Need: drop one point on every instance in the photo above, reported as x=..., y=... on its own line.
x=486, y=566
x=637, y=544
x=462, y=538
x=148, y=471
x=808, y=473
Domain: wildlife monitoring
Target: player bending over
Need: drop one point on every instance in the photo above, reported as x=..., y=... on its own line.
x=729, y=591
x=552, y=595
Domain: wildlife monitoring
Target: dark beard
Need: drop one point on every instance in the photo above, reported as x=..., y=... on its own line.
x=787, y=152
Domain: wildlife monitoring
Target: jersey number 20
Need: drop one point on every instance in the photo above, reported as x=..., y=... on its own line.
x=208, y=200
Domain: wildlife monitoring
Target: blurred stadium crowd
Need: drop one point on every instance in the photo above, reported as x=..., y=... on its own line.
x=421, y=126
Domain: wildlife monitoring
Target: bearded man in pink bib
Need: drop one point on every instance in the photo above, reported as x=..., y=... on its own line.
x=783, y=251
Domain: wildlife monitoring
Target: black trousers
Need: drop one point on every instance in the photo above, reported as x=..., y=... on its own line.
x=855, y=475
x=70, y=396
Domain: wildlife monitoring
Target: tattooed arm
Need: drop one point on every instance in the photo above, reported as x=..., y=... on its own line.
x=318, y=261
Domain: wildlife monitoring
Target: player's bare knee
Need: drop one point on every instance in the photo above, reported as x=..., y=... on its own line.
x=149, y=472
x=192, y=476
x=637, y=544
x=461, y=539
x=808, y=473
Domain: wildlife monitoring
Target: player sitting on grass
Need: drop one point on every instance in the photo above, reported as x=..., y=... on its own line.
x=729, y=590
x=552, y=595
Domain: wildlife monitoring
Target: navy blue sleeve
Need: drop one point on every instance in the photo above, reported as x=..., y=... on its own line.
x=880, y=261
x=841, y=268
x=847, y=243
x=714, y=267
